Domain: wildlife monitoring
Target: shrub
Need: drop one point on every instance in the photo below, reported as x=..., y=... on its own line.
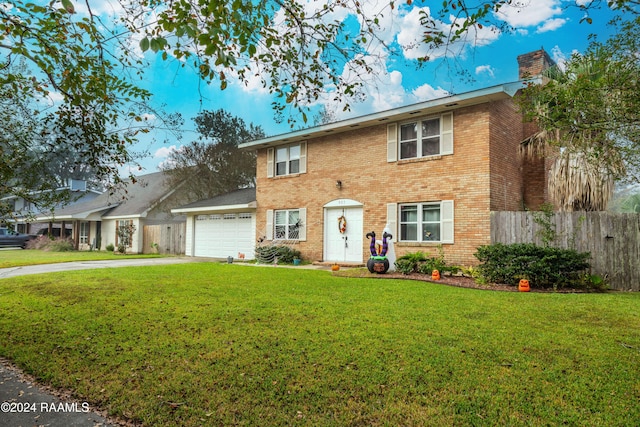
x=285, y=254
x=45, y=243
x=61, y=245
x=419, y=262
x=39, y=242
x=544, y=267
x=410, y=262
x=110, y=247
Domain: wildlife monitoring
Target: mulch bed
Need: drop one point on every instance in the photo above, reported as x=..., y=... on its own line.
x=459, y=281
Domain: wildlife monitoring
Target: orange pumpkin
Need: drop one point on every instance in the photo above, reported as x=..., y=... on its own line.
x=523, y=286
x=335, y=267
x=435, y=275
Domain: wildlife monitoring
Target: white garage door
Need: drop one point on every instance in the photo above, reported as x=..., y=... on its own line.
x=224, y=235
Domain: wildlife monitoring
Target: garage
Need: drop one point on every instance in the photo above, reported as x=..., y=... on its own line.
x=223, y=226
x=220, y=235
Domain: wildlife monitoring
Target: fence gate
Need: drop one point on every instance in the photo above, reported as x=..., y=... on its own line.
x=612, y=239
x=169, y=238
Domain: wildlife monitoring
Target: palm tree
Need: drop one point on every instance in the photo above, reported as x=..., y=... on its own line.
x=569, y=109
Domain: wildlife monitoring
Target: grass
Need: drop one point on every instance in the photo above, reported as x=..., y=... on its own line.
x=217, y=344
x=21, y=257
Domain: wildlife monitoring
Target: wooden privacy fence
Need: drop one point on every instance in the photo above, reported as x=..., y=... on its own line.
x=170, y=238
x=612, y=239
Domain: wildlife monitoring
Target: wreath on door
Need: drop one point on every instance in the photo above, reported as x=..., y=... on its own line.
x=342, y=224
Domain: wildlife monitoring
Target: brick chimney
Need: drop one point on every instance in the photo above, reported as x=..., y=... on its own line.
x=533, y=63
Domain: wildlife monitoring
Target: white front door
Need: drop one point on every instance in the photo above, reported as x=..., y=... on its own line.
x=343, y=246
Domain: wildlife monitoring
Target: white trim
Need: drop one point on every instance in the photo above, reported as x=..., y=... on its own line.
x=207, y=209
x=342, y=203
x=435, y=106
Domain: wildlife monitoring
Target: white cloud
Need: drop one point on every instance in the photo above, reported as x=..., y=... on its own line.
x=528, y=13
x=551, y=25
x=427, y=92
x=480, y=69
x=164, y=152
x=412, y=33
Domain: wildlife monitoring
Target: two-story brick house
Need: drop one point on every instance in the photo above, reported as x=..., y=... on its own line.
x=432, y=172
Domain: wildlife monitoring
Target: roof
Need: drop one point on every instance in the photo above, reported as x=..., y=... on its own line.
x=447, y=103
x=239, y=199
x=141, y=197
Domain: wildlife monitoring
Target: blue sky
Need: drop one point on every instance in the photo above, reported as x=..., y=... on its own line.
x=490, y=59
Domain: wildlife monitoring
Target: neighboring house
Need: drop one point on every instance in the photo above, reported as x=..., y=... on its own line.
x=25, y=212
x=221, y=227
x=432, y=172
x=147, y=201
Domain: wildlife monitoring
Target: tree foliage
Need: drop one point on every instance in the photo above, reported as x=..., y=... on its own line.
x=62, y=96
x=213, y=164
x=589, y=116
x=68, y=75
x=301, y=51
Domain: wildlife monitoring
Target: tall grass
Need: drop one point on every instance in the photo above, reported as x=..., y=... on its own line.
x=216, y=344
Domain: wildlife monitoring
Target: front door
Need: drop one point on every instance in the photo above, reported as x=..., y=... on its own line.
x=343, y=233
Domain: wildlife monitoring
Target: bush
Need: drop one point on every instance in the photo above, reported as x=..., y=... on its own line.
x=419, y=262
x=110, y=247
x=45, y=243
x=285, y=254
x=61, y=245
x=544, y=267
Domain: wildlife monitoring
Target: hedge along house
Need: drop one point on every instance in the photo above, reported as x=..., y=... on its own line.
x=432, y=172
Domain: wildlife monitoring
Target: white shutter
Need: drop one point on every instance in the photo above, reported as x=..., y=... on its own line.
x=270, y=162
x=392, y=142
x=303, y=158
x=302, y=232
x=392, y=219
x=446, y=218
x=270, y=224
x=446, y=123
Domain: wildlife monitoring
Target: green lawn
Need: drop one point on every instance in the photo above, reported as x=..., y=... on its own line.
x=217, y=344
x=21, y=257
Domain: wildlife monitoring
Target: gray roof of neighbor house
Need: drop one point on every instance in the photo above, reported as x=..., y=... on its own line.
x=447, y=103
x=239, y=199
x=140, y=197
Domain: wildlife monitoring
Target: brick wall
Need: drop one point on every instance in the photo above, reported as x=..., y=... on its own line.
x=533, y=63
x=479, y=176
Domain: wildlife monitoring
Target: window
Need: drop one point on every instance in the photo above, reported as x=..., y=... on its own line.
x=430, y=136
x=287, y=160
x=84, y=233
x=287, y=224
x=426, y=222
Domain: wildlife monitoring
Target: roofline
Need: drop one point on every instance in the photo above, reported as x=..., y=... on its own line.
x=123, y=216
x=77, y=215
x=493, y=93
x=207, y=209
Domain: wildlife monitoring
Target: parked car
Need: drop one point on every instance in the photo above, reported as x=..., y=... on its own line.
x=10, y=238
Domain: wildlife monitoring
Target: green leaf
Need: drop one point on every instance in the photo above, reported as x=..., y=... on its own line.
x=68, y=6
x=144, y=44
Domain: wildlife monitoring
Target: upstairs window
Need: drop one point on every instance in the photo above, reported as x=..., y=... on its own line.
x=287, y=160
x=431, y=136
